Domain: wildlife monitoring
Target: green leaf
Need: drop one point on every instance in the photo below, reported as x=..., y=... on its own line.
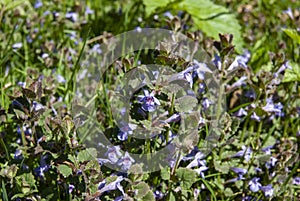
x=165, y=173
x=186, y=176
x=64, y=170
x=213, y=19
x=142, y=189
x=293, y=34
x=87, y=154
x=152, y=5
x=185, y=103
x=292, y=75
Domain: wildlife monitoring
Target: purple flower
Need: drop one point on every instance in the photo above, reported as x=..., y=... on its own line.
x=267, y=150
x=282, y=68
x=113, y=154
x=88, y=11
x=18, y=155
x=17, y=45
x=126, y=161
x=158, y=195
x=168, y=15
x=104, y=186
x=296, y=181
x=60, y=79
x=72, y=16
x=125, y=130
x=206, y=103
x=239, y=171
x=268, y=190
x=200, y=69
x=201, y=169
x=239, y=82
x=255, y=117
x=202, y=88
x=149, y=102
x=245, y=152
x=197, y=160
x=254, y=184
x=217, y=62
x=271, y=163
x=241, y=112
x=174, y=118
x=37, y=106
x=289, y=12
x=38, y=4
x=71, y=188
x=96, y=48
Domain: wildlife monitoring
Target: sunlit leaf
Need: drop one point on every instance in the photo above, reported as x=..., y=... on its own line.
x=214, y=19
x=64, y=170
x=186, y=176
x=292, y=75
x=293, y=34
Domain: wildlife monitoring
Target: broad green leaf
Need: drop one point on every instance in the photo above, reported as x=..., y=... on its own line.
x=64, y=170
x=186, y=176
x=293, y=34
x=185, y=103
x=142, y=189
x=213, y=19
x=292, y=75
x=165, y=173
x=151, y=5
x=86, y=155
x=149, y=197
x=270, y=141
x=8, y=5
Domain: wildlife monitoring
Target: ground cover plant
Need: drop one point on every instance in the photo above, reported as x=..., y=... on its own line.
x=223, y=104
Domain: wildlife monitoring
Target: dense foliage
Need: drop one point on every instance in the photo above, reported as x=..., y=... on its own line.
x=254, y=49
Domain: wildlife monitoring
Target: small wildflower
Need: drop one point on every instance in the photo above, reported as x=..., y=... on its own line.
x=37, y=106
x=197, y=161
x=96, y=48
x=60, y=79
x=245, y=152
x=268, y=190
x=125, y=130
x=126, y=161
x=282, y=68
x=255, y=117
x=158, y=195
x=38, y=4
x=202, y=88
x=296, y=181
x=239, y=82
x=17, y=45
x=201, y=169
x=168, y=15
x=239, y=171
x=104, y=187
x=72, y=16
x=113, y=154
x=254, y=184
x=267, y=150
x=289, y=12
x=71, y=188
x=22, y=84
x=271, y=163
x=18, y=155
x=217, y=62
x=138, y=29
x=206, y=103
x=149, y=102
x=241, y=112
x=88, y=11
